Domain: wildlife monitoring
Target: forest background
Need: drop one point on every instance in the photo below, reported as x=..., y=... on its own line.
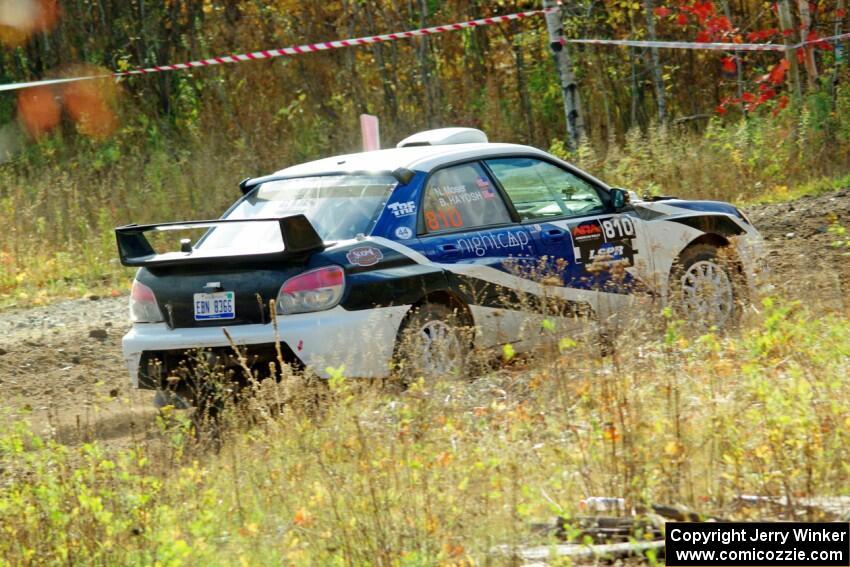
x=81, y=158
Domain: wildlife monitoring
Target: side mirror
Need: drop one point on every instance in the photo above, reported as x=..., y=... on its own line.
x=619, y=198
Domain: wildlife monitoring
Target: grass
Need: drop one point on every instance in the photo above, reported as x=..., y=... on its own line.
x=355, y=473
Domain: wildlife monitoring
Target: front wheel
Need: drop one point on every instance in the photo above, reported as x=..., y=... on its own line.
x=432, y=343
x=703, y=287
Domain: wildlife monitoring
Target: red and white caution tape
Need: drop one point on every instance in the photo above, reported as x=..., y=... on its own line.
x=293, y=50
x=354, y=42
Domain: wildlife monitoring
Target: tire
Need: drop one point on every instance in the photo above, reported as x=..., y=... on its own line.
x=433, y=342
x=704, y=287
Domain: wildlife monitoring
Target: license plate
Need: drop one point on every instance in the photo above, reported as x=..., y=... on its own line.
x=221, y=305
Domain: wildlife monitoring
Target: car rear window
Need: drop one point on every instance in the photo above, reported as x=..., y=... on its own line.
x=339, y=206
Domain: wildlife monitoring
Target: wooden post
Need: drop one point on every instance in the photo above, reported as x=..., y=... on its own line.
x=569, y=87
x=787, y=23
x=370, y=132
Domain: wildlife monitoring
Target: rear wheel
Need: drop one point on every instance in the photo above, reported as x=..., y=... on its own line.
x=433, y=342
x=703, y=287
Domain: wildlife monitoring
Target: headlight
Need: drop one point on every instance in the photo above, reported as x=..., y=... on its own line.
x=315, y=290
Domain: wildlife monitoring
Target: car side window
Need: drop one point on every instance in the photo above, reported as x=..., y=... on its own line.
x=460, y=197
x=539, y=189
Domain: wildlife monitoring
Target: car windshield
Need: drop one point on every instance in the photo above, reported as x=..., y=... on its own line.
x=339, y=206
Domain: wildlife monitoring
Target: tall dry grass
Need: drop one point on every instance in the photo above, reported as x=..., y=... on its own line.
x=351, y=472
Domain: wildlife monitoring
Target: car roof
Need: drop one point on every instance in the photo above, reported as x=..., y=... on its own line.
x=417, y=158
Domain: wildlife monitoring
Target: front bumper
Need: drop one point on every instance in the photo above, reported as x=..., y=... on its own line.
x=361, y=341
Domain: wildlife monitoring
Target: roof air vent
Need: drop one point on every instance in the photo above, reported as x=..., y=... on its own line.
x=444, y=137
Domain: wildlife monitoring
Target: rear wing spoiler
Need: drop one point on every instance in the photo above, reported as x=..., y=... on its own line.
x=299, y=238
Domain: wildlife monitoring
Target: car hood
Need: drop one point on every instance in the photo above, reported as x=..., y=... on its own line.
x=669, y=207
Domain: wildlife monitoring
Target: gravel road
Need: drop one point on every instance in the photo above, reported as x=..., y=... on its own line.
x=61, y=366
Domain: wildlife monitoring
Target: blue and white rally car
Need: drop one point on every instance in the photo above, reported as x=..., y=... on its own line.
x=447, y=241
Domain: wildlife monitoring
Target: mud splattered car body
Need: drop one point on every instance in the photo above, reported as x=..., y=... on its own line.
x=351, y=247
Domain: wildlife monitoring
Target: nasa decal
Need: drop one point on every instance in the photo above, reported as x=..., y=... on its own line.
x=604, y=241
x=364, y=256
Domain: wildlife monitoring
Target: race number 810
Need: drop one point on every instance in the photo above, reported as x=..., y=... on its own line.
x=443, y=219
x=618, y=228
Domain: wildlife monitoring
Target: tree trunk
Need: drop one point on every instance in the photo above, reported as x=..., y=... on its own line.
x=521, y=84
x=808, y=52
x=386, y=83
x=633, y=114
x=655, y=65
x=569, y=87
x=739, y=61
x=425, y=66
x=787, y=23
x=840, y=52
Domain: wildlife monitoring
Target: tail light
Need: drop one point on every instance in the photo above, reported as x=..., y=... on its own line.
x=143, y=306
x=315, y=290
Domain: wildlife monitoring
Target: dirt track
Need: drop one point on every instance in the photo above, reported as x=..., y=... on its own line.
x=806, y=265
x=62, y=364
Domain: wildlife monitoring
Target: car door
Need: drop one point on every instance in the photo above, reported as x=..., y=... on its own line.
x=466, y=227
x=587, y=245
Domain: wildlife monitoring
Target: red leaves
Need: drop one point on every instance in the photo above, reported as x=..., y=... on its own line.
x=766, y=91
x=711, y=26
x=816, y=42
x=761, y=35
x=714, y=27
x=720, y=24
x=776, y=75
x=765, y=96
x=840, y=14
x=702, y=10
x=781, y=103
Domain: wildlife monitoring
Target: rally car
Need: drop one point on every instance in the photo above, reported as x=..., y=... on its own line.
x=445, y=243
